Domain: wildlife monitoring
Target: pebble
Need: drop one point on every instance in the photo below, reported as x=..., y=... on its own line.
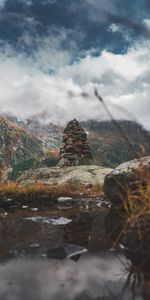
x=3, y=213
x=35, y=245
x=34, y=209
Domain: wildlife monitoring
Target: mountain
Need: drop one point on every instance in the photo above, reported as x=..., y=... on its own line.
x=108, y=146
x=48, y=133
x=19, y=150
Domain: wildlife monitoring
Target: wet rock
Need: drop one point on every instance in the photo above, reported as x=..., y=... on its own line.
x=64, y=207
x=74, y=149
x=103, y=203
x=8, y=203
x=65, y=200
x=66, y=251
x=3, y=213
x=34, y=209
x=127, y=177
x=35, y=245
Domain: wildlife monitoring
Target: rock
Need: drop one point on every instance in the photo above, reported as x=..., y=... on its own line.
x=8, y=203
x=34, y=209
x=35, y=245
x=64, y=200
x=79, y=175
x=74, y=148
x=66, y=251
x=3, y=213
x=127, y=177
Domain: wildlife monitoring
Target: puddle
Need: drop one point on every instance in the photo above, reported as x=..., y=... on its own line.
x=56, y=254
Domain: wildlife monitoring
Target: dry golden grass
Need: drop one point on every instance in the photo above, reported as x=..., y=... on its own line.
x=136, y=210
x=38, y=191
x=138, y=201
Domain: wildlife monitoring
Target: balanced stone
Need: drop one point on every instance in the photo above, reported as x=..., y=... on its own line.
x=74, y=148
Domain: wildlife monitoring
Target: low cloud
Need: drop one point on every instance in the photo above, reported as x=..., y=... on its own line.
x=50, y=80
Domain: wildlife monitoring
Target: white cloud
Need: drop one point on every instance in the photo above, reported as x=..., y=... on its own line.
x=2, y=2
x=128, y=66
x=147, y=23
x=114, y=28
x=43, y=2
x=27, y=87
x=121, y=29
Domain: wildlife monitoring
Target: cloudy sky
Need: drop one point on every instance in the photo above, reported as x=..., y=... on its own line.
x=53, y=52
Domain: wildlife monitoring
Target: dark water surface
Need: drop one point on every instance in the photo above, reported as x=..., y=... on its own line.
x=51, y=253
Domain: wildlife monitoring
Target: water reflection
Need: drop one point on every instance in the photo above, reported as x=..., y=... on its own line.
x=36, y=248
x=91, y=278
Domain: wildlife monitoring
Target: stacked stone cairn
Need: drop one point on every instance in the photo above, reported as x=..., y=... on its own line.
x=74, y=149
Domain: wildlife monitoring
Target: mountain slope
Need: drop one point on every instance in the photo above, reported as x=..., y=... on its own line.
x=18, y=149
x=107, y=144
x=109, y=147
x=49, y=134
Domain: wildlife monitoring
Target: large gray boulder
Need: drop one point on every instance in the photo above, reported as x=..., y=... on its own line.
x=127, y=178
x=80, y=175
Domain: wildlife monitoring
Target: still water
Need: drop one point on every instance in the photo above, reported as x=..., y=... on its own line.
x=60, y=253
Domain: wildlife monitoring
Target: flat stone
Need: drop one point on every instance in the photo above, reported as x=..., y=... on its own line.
x=64, y=200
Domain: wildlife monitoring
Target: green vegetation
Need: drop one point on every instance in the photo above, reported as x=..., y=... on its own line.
x=51, y=161
x=23, y=166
